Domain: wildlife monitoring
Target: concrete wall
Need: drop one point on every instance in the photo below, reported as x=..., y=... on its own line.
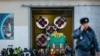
x=21, y=18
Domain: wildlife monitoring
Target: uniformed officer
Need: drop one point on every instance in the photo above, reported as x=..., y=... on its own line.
x=85, y=38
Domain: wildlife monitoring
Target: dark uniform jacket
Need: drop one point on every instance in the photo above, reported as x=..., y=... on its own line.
x=86, y=39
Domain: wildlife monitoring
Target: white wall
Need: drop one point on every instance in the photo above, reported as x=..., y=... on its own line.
x=21, y=18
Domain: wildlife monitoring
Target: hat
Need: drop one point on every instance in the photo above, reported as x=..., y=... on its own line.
x=84, y=20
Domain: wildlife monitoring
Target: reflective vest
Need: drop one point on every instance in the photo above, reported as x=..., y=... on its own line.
x=8, y=52
x=15, y=52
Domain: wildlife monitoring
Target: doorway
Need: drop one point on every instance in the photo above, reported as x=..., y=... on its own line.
x=51, y=13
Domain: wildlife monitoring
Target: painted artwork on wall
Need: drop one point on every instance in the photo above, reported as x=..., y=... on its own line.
x=7, y=26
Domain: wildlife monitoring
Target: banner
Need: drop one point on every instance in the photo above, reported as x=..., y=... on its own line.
x=6, y=26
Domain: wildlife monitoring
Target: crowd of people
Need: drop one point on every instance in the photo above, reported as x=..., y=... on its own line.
x=11, y=51
x=33, y=52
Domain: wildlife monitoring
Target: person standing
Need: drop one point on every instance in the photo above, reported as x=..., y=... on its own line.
x=86, y=39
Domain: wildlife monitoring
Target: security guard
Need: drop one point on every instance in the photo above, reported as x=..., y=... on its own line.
x=86, y=39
